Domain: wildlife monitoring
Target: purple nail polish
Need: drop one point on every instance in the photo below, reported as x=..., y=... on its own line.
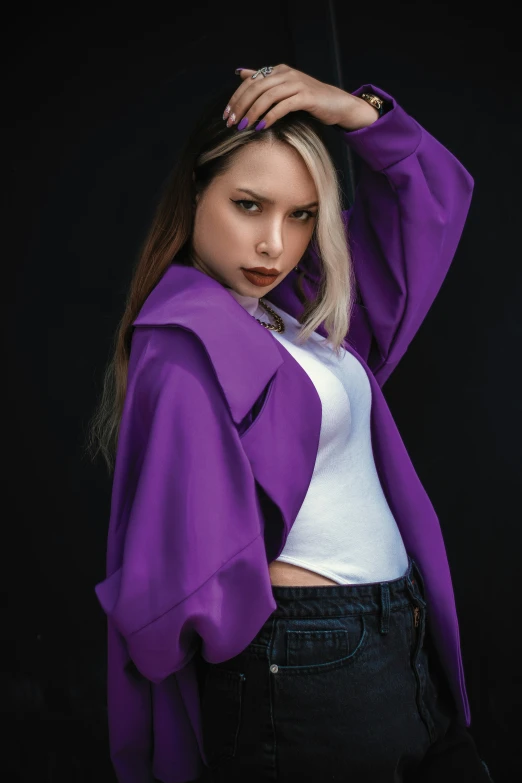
x=260, y=125
x=243, y=123
x=238, y=70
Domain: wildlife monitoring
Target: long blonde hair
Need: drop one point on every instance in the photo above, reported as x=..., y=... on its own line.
x=210, y=151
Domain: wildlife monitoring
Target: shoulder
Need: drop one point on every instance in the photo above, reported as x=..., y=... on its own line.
x=161, y=350
x=170, y=366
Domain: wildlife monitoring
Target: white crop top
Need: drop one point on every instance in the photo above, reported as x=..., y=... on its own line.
x=345, y=529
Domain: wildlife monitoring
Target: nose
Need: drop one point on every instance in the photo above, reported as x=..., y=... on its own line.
x=272, y=242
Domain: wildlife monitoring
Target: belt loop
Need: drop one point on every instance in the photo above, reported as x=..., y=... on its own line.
x=417, y=579
x=385, y=607
x=415, y=585
x=416, y=570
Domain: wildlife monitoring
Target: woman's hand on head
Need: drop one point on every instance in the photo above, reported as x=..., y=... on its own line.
x=287, y=89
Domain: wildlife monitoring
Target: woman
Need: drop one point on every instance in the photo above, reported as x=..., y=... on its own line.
x=279, y=598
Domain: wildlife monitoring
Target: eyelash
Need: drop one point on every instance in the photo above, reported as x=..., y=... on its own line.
x=299, y=220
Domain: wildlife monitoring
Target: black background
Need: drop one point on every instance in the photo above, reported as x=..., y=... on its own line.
x=97, y=101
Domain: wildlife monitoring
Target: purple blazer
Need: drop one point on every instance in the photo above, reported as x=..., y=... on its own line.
x=189, y=538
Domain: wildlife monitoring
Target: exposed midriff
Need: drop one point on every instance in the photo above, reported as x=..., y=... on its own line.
x=288, y=575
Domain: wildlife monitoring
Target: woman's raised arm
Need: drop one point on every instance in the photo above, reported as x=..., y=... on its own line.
x=410, y=206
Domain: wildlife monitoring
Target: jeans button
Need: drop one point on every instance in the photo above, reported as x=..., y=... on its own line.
x=274, y=668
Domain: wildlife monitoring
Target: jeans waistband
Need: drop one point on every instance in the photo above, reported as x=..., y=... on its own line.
x=336, y=600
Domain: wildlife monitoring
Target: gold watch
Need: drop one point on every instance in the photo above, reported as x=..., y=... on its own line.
x=374, y=101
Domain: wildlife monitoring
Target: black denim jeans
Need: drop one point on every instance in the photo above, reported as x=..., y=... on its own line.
x=342, y=683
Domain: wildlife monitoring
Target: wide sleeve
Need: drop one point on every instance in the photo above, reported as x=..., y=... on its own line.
x=186, y=555
x=410, y=206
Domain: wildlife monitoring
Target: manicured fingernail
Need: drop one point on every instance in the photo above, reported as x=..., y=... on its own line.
x=238, y=70
x=231, y=120
x=260, y=125
x=243, y=123
x=226, y=112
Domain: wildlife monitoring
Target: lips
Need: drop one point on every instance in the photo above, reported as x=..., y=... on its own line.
x=262, y=270
x=257, y=278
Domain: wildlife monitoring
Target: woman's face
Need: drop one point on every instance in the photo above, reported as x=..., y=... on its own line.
x=235, y=228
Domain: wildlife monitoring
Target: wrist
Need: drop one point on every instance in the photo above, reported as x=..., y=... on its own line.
x=357, y=114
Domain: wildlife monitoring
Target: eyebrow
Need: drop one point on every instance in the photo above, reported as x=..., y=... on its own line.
x=270, y=201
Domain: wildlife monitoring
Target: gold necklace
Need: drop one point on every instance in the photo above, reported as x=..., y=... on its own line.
x=279, y=327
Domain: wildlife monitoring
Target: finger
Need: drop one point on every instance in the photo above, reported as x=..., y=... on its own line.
x=294, y=103
x=262, y=104
x=242, y=105
x=254, y=87
x=247, y=85
x=244, y=73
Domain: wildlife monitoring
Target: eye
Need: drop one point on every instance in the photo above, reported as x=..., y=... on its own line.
x=308, y=215
x=242, y=201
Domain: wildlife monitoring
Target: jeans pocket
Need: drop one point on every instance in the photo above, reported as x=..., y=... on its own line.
x=306, y=648
x=221, y=712
x=317, y=649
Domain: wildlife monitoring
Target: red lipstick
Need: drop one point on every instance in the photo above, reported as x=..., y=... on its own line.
x=263, y=270
x=260, y=276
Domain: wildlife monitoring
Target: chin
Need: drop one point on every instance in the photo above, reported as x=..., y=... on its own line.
x=247, y=293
